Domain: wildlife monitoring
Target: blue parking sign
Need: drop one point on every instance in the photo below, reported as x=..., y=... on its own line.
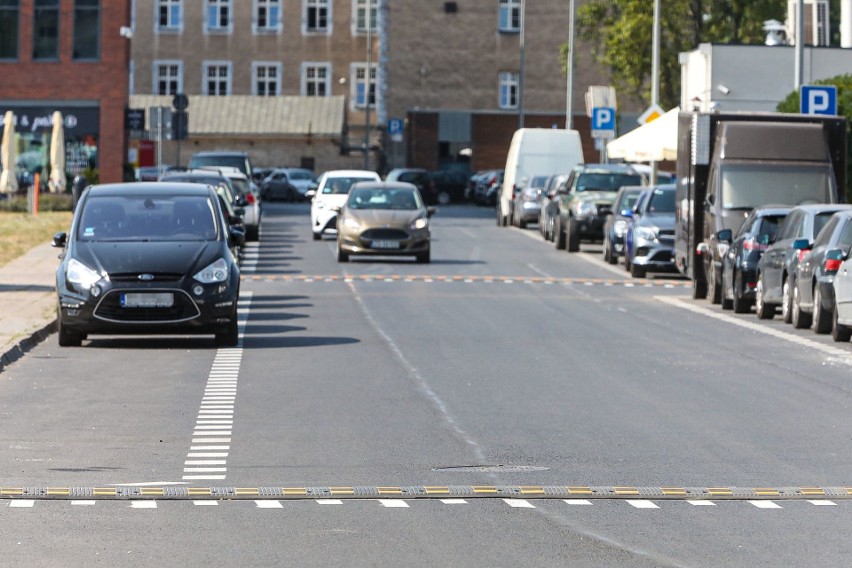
x=819, y=99
x=603, y=118
x=395, y=126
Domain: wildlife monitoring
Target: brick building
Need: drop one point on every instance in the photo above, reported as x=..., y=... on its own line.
x=66, y=55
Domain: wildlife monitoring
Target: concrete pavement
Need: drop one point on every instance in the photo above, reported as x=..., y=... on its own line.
x=27, y=301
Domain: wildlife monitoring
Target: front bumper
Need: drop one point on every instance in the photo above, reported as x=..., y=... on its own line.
x=396, y=242
x=657, y=254
x=529, y=212
x=590, y=226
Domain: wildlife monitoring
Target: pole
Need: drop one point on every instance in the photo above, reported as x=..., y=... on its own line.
x=159, y=139
x=655, y=74
x=521, y=68
x=569, y=102
x=800, y=44
x=369, y=82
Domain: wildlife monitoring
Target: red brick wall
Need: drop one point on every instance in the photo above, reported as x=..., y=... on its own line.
x=104, y=81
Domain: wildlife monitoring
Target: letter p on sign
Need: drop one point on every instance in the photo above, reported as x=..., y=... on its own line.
x=820, y=99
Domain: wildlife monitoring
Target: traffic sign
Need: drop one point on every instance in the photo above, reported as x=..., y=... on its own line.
x=134, y=118
x=603, y=122
x=819, y=99
x=180, y=101
x=651, y=113
x=395, y=129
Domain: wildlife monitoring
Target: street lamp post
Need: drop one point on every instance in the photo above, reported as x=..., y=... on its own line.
x=569, y=103
x=368, y=79
x=521, y=67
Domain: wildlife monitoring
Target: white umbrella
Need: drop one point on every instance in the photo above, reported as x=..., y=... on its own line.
x=653, y=142
x=8, y=179
x=57, y=155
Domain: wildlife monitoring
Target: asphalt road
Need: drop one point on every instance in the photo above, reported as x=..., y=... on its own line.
x=492, y=381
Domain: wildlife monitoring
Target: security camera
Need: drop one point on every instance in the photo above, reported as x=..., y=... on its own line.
x=723, y=89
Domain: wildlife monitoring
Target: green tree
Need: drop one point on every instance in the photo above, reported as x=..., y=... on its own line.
x=620, y=34
x=791, y=103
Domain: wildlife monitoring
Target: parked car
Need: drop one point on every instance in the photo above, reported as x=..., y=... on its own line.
x=617, y=221
x=239, y=160
x=487, y=187
x=417, y=176
x=449, y=185
x=384, y=218
x=841, y=329
x=745, y=249
x=546, y=212
x=813, y=296
x=330, y=195
x=527, y=204
x=289, y=184
x=258, y=174
x=778, y=264
x=649, y=241
x=148, y=258
x=587, y=200
x=248, y=197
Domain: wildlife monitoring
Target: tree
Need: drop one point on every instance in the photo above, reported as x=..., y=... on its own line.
x=620, y=33
x=791, y=103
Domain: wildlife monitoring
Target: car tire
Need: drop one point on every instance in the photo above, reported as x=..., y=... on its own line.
x=739, y=304
x=424, y=257
x=230, y=336
x=799, y=319
x=638, y=271
x=68, y=338
x=763, y=310
x=714, y=291
x=558, y=234
x=341, y=255
x=316, y=236
x=252, y=233
x=727, y=303
x=444, y=198
x=821, y=316
x=699, y=280
x=839, y=332
x=522, y=224
x=572, y=240
x=786, y=302
x=607, y=252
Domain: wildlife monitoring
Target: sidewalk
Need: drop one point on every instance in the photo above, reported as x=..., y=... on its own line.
x=27, y=301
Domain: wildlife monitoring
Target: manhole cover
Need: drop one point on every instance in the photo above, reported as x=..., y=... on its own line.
x=492, y=468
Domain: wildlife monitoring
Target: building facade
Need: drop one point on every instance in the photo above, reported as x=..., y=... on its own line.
x=70, y=56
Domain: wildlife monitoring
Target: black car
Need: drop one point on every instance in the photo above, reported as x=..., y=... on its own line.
x=778, y=264
x=739, y=263
x=813, y=296
x=450, y=185
x=616, y=222
x=148, y=258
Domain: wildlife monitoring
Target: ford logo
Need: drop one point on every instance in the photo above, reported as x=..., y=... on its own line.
x=146, y=277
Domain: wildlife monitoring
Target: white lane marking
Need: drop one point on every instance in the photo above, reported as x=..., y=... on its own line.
x=22, y=503
x=642, y=504
x=214, y=426
x=205, y=462
x=329, y=501
x=765, y=504
x=143, y=504
x=701, y=503
x=207, y=455
x=269, y=504
x=578, y=501
x=454, y=501
x=206, y=503
x=842, y=355
x=393, y=503
x=203, y=477
x=519, y=503
x=214, y=421
x=84, y=502
x=202, y=448
x=204, y=441
x=147, y=484
x=216, y=433
x=204, y=469
x=823, y=503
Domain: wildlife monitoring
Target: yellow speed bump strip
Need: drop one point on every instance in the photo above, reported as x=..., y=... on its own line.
x=171, y=492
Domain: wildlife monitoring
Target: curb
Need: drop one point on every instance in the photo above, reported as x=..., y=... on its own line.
x=26, y=344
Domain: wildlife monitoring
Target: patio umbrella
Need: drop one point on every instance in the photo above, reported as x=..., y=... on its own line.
x=57, y=155
x=8, y=180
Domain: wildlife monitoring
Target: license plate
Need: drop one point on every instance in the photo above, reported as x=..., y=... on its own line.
x=148, y=300
x=385, y=244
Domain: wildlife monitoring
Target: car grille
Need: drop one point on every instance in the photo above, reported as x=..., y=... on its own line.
x=604, y=209
x=110, y=309
x=384, y=234
x=666, y=234
x=155, y=277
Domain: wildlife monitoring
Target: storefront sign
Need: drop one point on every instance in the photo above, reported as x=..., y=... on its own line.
x=78, y=120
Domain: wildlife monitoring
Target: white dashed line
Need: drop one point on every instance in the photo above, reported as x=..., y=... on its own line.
x=329, y=502
x=822, y=503
x=84, y=503
x=519, y=503
x=702, y=503
x=577, y=501
x=143, y=504
x=22, y=503
x=454, y=501
x=642, y=504
x=269, y=504
x=766, y=504
x=393, y=503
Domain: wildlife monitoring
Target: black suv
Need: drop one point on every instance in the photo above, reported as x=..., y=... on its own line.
x=586, y=199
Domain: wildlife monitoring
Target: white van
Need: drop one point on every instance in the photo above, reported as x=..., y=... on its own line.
x=536, y=151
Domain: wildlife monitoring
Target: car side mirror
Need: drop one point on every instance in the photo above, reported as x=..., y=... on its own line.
x=59, y=239
x=627, y=213
x=725, y=235
x=801, y=244
x=238, y=235
x=310, y=194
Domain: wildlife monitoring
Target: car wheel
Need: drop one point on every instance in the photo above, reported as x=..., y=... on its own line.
x=637, y=270
x=252, y=233
x=444, y=198
x=558, y=234
x=800, y=319
x=714, y=291
x=424, y=257
x=839, y=332
x=522, y=224
x=316, y=236
x=822, y=317
x=763, y=310
x=727, y=303
x=230, y=336
x=501, y=221
x=572, y=240
x=342, y=256
x=740, y=304
x=68, y=338
x=786, y=302
x=607, y=253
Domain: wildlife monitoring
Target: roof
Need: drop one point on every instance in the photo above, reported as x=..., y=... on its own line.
x=146, y=188
x=245, y=115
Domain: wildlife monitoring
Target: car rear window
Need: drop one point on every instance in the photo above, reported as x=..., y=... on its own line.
x=144, y=218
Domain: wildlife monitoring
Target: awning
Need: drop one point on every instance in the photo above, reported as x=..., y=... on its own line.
x=652, y=142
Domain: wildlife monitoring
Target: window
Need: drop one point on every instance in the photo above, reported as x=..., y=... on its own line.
x=361, y=87
x=218, y=16
x=217, y=78
x=509, y=90
x=9, y=14
x=362, y=10
x=46, y=30
x=168, y=77
x=316, y=14
x=266, y=79
x=87, y=29
x=169, y=15
x=316, y=79
x=509, y=16
x=267, y=16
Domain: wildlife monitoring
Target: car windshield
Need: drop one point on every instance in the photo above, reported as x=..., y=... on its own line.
x=769, y=226
x=662, y=201
x=302, y=176
x=606, y=181
x=241, y=185
x=538, y=182
x=820, y=220
x=399, y=199
x=147, y=218
x=750, y=186
x=341, y=185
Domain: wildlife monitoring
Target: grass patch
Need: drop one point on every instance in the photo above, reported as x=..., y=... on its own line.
x=19, y=232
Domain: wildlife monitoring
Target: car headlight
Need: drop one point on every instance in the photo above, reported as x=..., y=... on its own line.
x=81, y=275
x=620, y=227
x=646, y=233
x=352, y=223
x=216, y=272
x=585, y=209
x=420, y=223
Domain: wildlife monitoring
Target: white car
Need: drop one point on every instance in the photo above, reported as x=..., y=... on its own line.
x=842, y=324
x=249, y=196
x=330, y=195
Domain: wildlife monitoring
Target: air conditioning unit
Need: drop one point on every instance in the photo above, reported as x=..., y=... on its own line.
x=816, y=28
